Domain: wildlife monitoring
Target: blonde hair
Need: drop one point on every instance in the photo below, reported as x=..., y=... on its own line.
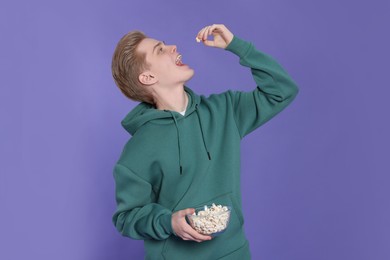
x=127, y=64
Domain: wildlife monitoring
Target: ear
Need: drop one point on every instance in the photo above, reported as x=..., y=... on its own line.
x=147, y=78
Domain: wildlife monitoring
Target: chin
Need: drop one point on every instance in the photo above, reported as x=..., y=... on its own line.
x=191, y=74
x=184, y=77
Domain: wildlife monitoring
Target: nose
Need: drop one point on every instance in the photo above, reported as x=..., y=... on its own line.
x=174, y=48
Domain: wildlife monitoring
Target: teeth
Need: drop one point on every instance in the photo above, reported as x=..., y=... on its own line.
x=178, y=59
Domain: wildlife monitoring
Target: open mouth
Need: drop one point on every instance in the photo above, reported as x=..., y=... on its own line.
x=178, y=60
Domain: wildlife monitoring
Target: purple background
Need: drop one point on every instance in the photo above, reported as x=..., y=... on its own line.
x=314, y=179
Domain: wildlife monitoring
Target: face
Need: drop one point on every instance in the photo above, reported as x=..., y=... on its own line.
x=165, y=65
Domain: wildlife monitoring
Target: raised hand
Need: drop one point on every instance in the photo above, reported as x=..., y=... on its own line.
x=221, y=36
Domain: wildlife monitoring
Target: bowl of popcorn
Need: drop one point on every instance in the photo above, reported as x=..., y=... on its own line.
x=210, y=219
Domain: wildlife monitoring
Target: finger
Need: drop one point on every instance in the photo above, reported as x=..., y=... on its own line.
x=182, y=213
x=209, y=43
x=201, y=33
x=188, y=211
x=212, y=30
x=201, y=237
x=207, y=32
x=187, y=237
x=201, y=30
x=215, y=28
x=194, y=234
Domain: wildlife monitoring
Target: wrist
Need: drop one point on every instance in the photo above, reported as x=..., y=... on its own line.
x=238, y=46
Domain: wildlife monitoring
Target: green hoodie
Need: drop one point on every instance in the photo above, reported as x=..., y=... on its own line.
x=174, y=162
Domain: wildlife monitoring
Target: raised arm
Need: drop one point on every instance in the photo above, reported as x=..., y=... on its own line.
x=275, y=89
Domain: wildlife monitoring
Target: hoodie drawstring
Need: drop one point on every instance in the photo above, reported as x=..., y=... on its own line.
x=201, y=130
x=178, y=140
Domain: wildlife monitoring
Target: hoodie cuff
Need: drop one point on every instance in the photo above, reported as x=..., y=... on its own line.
x=238, y=46
x=166, y=223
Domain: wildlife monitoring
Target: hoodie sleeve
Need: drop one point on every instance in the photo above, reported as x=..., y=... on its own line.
x=275, y=89
x=137, y=216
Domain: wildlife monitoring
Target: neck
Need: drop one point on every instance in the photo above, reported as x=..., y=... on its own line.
x=171, y=99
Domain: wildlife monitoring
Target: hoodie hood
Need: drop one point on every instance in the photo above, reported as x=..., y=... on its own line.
x=145, y=112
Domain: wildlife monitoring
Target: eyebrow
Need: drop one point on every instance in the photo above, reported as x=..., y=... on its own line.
x=158, y=44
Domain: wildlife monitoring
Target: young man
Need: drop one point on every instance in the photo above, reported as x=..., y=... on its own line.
x=185, y=149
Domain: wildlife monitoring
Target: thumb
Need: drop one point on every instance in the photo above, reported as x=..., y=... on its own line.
x=209, y=43
x=187, y=211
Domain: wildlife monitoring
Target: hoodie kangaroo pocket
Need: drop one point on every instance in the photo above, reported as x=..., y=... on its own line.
x=238, y=210
x=176, y=248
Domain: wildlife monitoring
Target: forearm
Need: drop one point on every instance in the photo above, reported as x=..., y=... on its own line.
x=137, y=215
x=151, y=221
x=269, y=76
x=275, y=89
